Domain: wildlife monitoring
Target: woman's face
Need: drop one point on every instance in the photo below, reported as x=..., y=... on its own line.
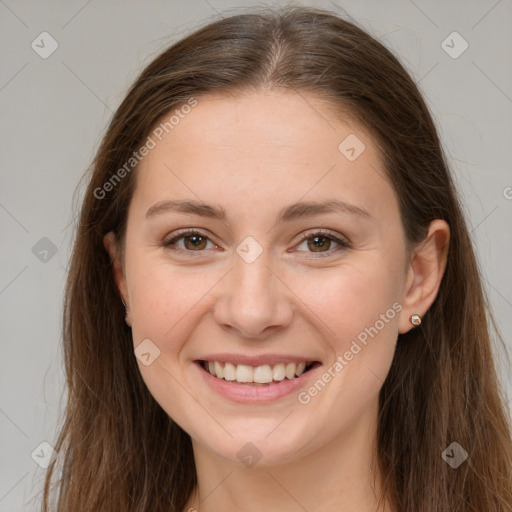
x=273, y=283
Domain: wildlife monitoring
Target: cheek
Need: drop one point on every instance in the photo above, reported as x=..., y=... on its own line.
x=357, y=308
x=164, y=298
x=351, y=298
x=165, y=305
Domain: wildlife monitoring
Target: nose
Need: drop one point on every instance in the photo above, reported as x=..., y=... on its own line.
x=254, y=301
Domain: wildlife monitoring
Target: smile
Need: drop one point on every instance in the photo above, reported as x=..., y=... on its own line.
x=264, y=374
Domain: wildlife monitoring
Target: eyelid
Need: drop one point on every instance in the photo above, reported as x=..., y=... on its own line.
x=341, y=240
x=181, y=233
x=325, y=232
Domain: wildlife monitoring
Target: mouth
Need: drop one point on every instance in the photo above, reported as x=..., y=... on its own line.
x=257, y=376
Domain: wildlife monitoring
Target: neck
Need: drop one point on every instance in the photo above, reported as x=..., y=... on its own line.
x=338, y=477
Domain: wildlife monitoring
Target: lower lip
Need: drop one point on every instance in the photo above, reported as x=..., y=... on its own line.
x=247, y=393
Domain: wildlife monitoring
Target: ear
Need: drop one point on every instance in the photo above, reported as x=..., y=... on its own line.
x=111, y=246
x=424, y=274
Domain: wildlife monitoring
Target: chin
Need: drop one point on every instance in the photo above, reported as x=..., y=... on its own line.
x=249, y=449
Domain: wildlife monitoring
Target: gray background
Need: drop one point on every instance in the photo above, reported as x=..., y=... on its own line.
x=54, y=112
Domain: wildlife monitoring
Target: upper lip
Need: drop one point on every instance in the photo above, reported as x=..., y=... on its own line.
x=258, y=360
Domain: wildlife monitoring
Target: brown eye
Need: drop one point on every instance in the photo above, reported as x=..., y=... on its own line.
x=193, y=241
x=319, y=243
x=196, y=242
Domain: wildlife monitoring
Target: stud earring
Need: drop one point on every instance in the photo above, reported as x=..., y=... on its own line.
x=415, y=320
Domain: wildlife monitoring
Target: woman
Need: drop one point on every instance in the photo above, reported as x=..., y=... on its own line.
x=273, y=300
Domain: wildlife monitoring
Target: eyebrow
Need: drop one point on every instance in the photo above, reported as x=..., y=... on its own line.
x=289, y=213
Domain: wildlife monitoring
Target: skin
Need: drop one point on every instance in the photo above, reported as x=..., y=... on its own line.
x=254, y=154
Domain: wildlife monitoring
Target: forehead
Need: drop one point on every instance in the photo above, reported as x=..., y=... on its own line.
x=262, y=149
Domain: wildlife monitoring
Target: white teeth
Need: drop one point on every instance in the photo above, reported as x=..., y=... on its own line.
x=263, y=374
x=300, y=369
x=218, y=370
x=289, y=371
x=244, y=373
x=278, y=371
x=229, y=371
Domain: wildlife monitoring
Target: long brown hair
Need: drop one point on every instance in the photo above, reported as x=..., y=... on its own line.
x=118, y=450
